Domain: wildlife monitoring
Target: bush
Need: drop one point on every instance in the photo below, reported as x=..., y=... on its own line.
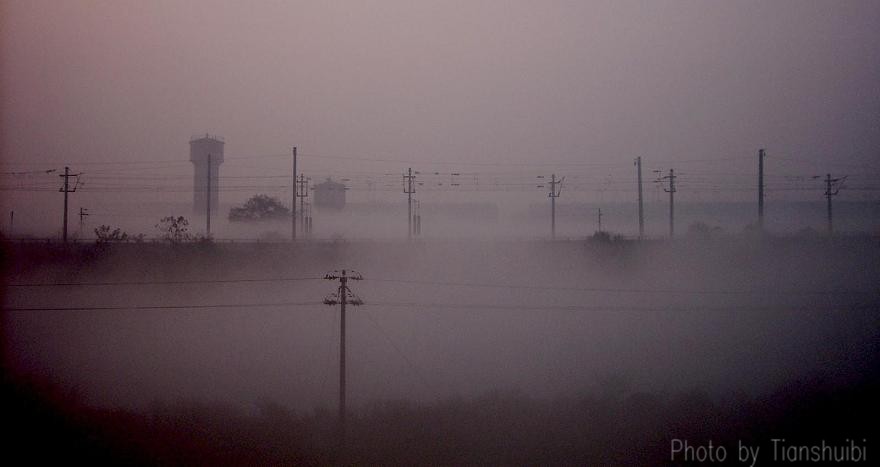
x=104, y=234
x=602, y=236
x=174, y=229
x=259, y=208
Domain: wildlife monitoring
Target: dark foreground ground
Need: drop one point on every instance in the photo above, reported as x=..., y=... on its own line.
x=45, y=426
x=616, y=422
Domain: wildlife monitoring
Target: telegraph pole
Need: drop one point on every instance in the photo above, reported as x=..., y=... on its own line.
x=83, y=212
x=600, y=219
x=554, y=193
x=304, y=191
x=761, y=190
x=208, y=204
x=342, y=297
x=302, y=194
x=638, y=164
x=828, y=196
x=66, y=189
x=832, y=188
x=409, y=190
x=671, y=190
x=417, y=219
x=293, y=200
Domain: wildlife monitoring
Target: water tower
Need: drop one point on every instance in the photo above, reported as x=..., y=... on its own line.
x=200, y=147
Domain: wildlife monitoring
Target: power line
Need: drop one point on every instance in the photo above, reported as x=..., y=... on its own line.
x=455, y=284
x=194, y=281
x=471, y=306
x=617, y=308
x=620, y=290
x=161, y=307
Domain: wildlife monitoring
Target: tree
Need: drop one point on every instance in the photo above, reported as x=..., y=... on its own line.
x=258, y=208
x=174, y=229
x=103, y=234
x=602, y=236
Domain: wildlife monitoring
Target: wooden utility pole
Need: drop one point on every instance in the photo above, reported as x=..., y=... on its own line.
x=638, y=164
x=293, y=200
x=83, y=212
x=208, y=204
x=303, y=192
x=832, y=188
x=761, y=190
x=66, y=189
x=554, y=193
x=409, y=190
x=671, y=190
x=417, y=218
x=342, y=297
x=828, y=195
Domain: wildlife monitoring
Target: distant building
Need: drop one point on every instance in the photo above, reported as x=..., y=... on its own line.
x=200, y=147
x=330, y=194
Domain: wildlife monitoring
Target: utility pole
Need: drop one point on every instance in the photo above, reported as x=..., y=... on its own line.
x=671, y=190
x=11, y=223
x=293, y=200
x=409, y=190
x=342, y=297
x=66, y=189
x=83, y=212
x=761, y=190
x=828, y=195
x=302, y=193
x=208, y=204
x=554, y=193
x=600, y=219
x=832, y=188
x=638, y=164
x=417, y=219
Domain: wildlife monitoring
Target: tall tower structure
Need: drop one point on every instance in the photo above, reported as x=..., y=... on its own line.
x=200, y=147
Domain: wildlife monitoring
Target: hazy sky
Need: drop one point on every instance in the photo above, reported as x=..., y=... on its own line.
x=460, y=81
x=501, y=91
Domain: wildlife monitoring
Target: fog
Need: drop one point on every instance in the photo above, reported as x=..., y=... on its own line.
x=446, y=319
x=515, y=324
x=441, y=320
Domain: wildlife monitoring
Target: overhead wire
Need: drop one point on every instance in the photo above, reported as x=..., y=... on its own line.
x=161, y=307
x=775, y=291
